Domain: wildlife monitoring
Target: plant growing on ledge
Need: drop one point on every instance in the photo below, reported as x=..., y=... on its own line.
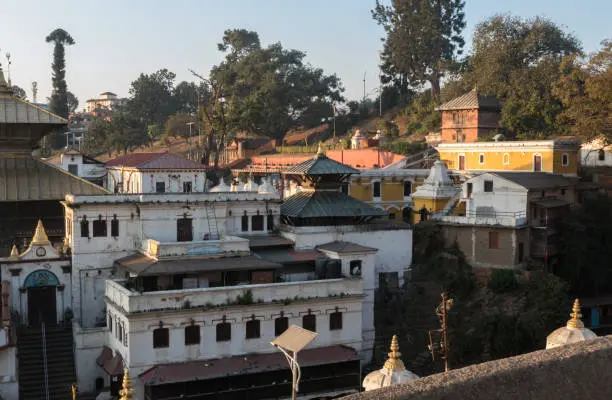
x=245, y=298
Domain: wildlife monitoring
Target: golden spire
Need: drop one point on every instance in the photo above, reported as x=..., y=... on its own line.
x=74, y=392
x=575, y=322
x=394, y=363
x=14, y=253
x=320, y=152
x=126, y=391
x=40, y=236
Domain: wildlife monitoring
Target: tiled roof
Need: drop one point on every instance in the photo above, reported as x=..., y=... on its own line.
x=357, y=158
x=535, y=180
x=321, y=165
x=471, y=100
x=154, y=161
x=243, y=365
x=27, y=179
x=312, y=204
x=345, y=247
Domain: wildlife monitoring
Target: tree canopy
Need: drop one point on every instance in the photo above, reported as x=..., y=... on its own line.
x=59, y=97
x=151, y=97
x=19, y=92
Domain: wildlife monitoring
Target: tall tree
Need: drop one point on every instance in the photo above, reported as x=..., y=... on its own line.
x=186, y=97
x=151, y=97
x=73, y=102
x=423, y=38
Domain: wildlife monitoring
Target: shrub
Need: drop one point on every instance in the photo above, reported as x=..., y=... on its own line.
x=502, y=281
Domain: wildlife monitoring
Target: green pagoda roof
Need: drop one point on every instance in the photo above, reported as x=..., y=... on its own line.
x=321, y=165
x=315, y=204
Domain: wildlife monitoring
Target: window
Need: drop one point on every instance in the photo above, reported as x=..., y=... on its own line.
x=345, y=187
x=481, y=158
x=564, y=160
x=335, y=321
x=99, y=227
x=73, y=169
x=601, y=155
x=376, y=189
x=562, y=192
x=184, y=229
x=280, y=325
x=84, y=227
x=506, y=159
x=270, y=222
x=257, y=222
x=186, y=187
x=192, y=335
x=494, y=240
x=160, y=187
x=161, y=338
x=407, y=188
x=245, y=223
x=461, y=162
x=114, y=226
x=309, y=322
x=355, y=267
x=488, y=186
x=224, y=332
x=469, y=188
x=521, y=252
x=252, y=329
x=537, y=163
x=110, y=323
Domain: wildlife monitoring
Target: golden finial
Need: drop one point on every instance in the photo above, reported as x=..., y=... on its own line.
x=575, y=322
x=14, y=253
x=126, y=391
x=394, y=363
x=320, y=152
x=40, y=236
x=74, y=391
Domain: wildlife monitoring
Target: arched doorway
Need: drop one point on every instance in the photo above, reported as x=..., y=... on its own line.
x=41, y=286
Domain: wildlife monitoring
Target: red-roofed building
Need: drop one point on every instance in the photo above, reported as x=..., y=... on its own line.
x=155, y=173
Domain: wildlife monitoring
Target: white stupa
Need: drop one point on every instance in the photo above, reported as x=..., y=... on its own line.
x=392, y=373
x=221, y=187
x=573, y=332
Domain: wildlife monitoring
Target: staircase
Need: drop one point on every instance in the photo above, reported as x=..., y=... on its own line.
x=60, y=363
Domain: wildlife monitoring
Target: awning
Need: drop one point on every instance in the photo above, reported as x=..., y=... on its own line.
x=142, y=265
x=105, y=355
x=243, y=365
x=550, y=203
x=112, y=365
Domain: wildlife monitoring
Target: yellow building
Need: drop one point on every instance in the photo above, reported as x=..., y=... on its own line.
x=559, y=156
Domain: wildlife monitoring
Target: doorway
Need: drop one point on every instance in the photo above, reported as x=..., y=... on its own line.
x=537, y=163
x=461, y=162
x=41, y=306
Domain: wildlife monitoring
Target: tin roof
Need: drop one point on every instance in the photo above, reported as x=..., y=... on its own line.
x=345, y=247
x=470, y=100
x=267, y=241
x=321, y=165
x=24, y=178
x=154, y=161
x=288, y=256
x=535, y=180
x=311, y=204
x=243, y=364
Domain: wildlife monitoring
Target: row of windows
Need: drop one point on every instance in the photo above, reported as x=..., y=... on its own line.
x=257, y=223
x=119, y=329
x=100, y=227
x=160, y=187
x=537, y=161
x=377, y=189
x=161, y=335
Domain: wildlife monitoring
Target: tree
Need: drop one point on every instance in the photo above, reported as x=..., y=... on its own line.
x=151, y=97
x=177, y=125
x=73, y=102
x=423, y=38
x=186, y=97
x=585, y=89
x=19, y=92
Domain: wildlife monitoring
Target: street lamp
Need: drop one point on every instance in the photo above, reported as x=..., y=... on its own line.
x=290, y=343
x=190, y=125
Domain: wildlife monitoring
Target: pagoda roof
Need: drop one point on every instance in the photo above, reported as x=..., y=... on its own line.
x=321, y=165
x=314, y=204
x=471, y=100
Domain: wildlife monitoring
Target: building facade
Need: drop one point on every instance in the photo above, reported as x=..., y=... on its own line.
x=81, y=165
x=105, y=103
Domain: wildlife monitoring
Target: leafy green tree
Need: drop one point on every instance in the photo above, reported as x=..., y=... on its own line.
x=423, y=38
x=73, y=102
x=59, y=96
x=151, y=97
x=186, y=96
x=585, y=89
x=19, y=92
x=422, y=116
x=98, y=137
x=388, y=129
x=176, y=125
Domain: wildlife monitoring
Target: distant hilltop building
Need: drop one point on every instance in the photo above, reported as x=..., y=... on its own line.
x=106, y=102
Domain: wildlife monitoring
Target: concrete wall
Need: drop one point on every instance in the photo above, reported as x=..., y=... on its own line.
x=88, y=345
x=9, y=385
x=506, y=198
x=136, y=181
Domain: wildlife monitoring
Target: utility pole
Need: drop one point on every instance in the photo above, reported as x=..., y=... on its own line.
x=439, y=344
x=364, y=94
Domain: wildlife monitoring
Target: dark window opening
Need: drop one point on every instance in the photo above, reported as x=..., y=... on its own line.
x=565, y=160
x=601, y=155
x=110, y=323
x=161, y=338
x=186, y=187
x=335, y=321
x=99, y=227
x=244, y=223
x=224, y=332
x=73, y=169
x=252, y=329
x=461, y=163
x=345, y=187
x=160, y=187
x=309, y=322
x=521, y=252
x=257, y=223
x=488, y=186
x=184, y=230
x=355, y=267
x=537, y=163
x=481, y=159
x=280, y=325
x=114, y=226
x=470, y=188
x=494, y=240
x=376, y=189
x=270, y=222
x=192, y=334
x=84, y=227
x=407, y=214
x=407, y=188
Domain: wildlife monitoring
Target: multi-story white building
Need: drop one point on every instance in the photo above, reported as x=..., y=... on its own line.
x=155, y=173
x=80, y=165
x=106, y=102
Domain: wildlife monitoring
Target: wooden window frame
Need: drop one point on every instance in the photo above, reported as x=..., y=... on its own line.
x=335, y=321
x=252, y=329
x=161, y=338
x=309, y=321
x=192, y=335
x=224, y=332
x=100, y=227
x=493, y=240
x=279, y=323
x=376, y=185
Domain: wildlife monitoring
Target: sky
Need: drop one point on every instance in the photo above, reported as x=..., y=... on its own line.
x=116, y=40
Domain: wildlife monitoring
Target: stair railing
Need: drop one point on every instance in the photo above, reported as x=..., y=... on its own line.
x=44, y=348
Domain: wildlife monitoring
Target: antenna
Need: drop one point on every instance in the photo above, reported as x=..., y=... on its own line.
x=34, y=91
x=8, y=67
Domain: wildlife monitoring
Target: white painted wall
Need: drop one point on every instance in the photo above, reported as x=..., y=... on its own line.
x=506, y=198
x=85, y=170
x=88, y=345
x=589, y=157
x=144, y=181
x=9, y=386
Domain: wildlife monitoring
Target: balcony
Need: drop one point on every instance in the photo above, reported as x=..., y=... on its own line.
x=488, y=218
x=227, y=245
x=135, y=302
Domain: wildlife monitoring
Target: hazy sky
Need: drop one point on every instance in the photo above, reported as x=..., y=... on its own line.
x=118, y=39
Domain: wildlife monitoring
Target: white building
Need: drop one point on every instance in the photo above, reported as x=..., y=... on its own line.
x=596, y=153
x=155, y=173
x=80, y=165
x=106, y=102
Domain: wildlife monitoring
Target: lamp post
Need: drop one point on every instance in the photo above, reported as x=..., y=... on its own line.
x=290, y=342
x=190, y=124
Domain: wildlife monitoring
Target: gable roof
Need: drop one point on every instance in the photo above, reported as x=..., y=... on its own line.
x=321, y=165
x=534, y=180
x=312, y=204
x=471, y=100
x=154, y=161
x=345, y=247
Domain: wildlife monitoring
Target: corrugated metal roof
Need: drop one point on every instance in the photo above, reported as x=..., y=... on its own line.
x=535, y=180
x=284, y=256
x=345, y=247
x=244, y=364
x=321, y=165
x=471, y=100
x=142, y=265
x=154, y=161
x=550, y=203
x=17, y=111
x=311, y=204
x=266, y=241
x=24, y=178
